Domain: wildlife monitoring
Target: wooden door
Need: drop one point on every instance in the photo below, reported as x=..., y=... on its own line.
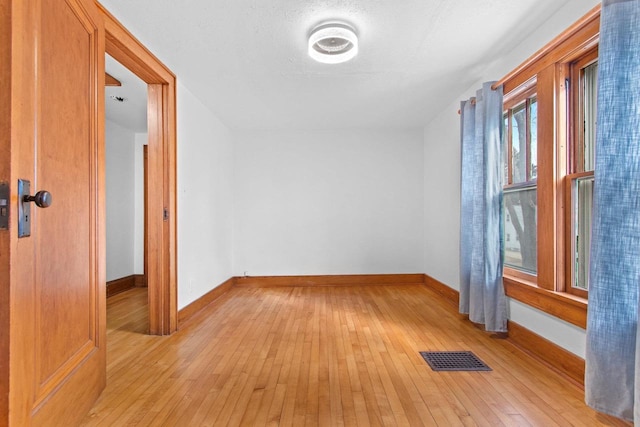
x=57, y=359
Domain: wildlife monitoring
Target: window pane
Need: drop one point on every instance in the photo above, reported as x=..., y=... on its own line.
x=583, y=192
x=519, y=144
x=590, y=101
x=533, y=152
x=520, y=229
x=505, y=152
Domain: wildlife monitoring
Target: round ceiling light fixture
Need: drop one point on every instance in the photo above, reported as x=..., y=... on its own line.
x=333, y=43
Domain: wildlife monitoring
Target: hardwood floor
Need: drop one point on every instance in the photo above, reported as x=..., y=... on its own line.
x=326, y=356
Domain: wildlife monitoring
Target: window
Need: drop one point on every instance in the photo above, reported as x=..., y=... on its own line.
x=520, y=173
x=549, y=133
x=582, y=110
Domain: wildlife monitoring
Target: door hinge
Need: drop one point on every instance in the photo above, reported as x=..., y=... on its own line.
x=4, y=206
x=165, y=214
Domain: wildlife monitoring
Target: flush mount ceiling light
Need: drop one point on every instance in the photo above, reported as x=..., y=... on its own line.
x=333, y=43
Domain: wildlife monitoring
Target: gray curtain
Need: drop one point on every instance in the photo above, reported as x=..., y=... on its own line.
x=481, y=245
x=612, y=379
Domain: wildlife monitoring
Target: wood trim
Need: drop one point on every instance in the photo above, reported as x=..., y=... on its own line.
x=170, y=168
x=145, y=172
x=557, y=49
x=120, y=285
x=109, y=80
x=161, y=197
x=190, y=310
x=330, y=280
x=120, y=43
x=520, y=94
x=547, y=224
x=158, y=295
x=549, y=353
x=447, y=292
x=561, y=160
x=564, y=306
x=140, y=280
x=519, y=275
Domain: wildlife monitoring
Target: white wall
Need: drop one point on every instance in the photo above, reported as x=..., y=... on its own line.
x=119, y=153
x=442, y=183
x=205, y=199
x=328, y=202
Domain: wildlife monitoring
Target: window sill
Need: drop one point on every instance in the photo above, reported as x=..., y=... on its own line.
x=562, y=305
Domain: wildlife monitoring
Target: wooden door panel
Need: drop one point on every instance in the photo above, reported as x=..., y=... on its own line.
x=57, y=342
x=63, y=168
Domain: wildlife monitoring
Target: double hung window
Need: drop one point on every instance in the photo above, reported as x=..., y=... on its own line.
x=549, y=117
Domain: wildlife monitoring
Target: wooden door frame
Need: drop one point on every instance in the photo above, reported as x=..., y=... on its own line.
x=145, y=195
x=161, y=198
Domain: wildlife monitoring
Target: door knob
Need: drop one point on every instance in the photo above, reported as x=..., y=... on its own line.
x=42, y=199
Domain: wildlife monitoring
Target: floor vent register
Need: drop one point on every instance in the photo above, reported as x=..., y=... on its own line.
x=454, y=361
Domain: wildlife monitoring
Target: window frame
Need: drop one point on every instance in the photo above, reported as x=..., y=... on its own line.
x=570, y=180
x=575, y=164
x=509, y=104
x=513, y=100
x=550, y=68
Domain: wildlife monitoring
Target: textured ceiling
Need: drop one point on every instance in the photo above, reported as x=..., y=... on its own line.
x=246, y=59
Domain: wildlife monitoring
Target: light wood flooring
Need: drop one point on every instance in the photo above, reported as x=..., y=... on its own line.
x=323, y=356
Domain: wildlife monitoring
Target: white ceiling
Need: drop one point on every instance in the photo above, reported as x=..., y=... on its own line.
x=246, y=59
x=132, y=113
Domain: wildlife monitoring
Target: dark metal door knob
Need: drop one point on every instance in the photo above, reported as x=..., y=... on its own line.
x=42, y=199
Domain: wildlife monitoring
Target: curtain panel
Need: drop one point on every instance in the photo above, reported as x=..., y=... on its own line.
x=481, y=245
x=612, y=377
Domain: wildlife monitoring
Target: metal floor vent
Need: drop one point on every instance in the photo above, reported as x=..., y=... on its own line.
x=454, y=361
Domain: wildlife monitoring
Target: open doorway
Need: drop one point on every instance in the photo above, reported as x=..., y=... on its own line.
x=126, y=139
x=161, y=200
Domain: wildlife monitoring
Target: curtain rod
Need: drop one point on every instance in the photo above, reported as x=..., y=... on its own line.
x=473, y=102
